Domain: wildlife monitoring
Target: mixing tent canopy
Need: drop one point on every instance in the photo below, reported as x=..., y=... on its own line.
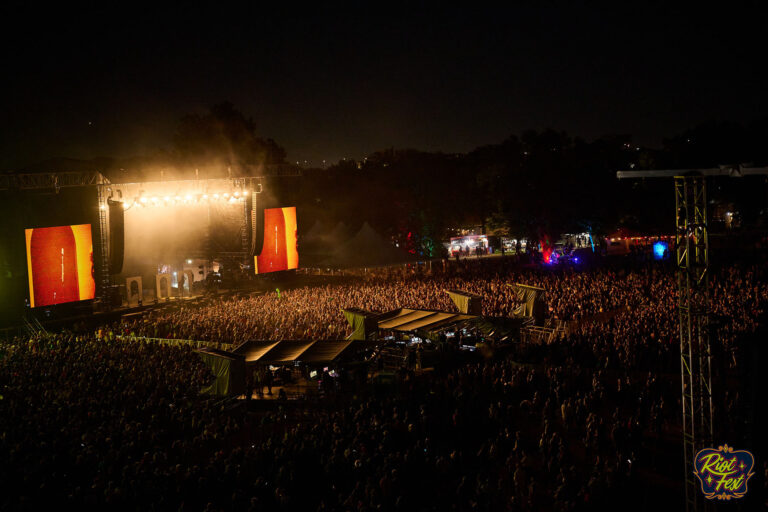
x=468, y=303
x=367, y=249
x=532, y=298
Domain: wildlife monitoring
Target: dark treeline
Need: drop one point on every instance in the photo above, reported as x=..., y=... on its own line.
x=534, y=183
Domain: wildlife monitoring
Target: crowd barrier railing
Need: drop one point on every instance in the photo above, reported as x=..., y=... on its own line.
x=177, y=342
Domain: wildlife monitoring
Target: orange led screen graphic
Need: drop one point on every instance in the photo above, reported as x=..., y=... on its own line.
x=280, y=250
x=60, y=264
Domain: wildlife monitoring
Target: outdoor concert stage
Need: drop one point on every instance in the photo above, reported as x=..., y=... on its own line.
x=72, y=243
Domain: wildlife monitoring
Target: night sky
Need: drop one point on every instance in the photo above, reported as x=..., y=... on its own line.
x=334, y=83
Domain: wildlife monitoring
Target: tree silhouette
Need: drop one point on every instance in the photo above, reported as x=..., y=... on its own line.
x=224, y=135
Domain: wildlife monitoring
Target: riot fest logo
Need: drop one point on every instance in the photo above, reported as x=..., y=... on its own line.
x=724, y=472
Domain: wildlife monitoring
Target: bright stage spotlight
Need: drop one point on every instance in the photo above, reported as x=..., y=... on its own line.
x=188, y=197
x=143, y=199
x=205, y=197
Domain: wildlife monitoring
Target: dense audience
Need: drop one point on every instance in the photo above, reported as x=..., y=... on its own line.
x=99, y=422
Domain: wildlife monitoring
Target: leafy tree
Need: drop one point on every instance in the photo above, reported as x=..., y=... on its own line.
x=224, y=135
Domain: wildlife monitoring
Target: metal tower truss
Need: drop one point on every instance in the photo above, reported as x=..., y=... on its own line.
x=695, y=356
x=51, y=180
x=103, y=282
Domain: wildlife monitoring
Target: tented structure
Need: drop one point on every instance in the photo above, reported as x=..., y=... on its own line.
x=427, y=323
x=316, y=231
x=532, y=298
x=503, y=329
x=228, y=369
x=291, y=351
x=320, y=242
x=253, y=350
x=367, y=249
x=339, y=234
x=363, y=323
x=285, y=351
x=468, y=303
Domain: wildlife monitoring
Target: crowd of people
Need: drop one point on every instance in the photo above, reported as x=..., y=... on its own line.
x=313, y=312
x=588, y=420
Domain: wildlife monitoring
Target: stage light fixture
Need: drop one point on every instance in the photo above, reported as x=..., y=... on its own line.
x=237, y=193
x=143, y=199
x=205, y=197
x=226, y=195
x=187, y=197
x=215, y=196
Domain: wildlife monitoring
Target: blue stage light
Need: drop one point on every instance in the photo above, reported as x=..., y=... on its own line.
x=659, y=248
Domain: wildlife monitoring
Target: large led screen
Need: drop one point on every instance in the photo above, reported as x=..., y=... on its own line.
x=279, y=251
x=60, y=264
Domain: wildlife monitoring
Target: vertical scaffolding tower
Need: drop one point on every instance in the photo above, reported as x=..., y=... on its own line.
x=692, y=258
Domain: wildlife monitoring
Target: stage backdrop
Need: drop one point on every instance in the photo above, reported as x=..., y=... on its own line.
x=60, y=264
x=280, y=251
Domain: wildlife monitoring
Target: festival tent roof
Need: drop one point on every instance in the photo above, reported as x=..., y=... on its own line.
x=367, y=249
x=411, y=320
x=339, y=234
x=316, y=231
x=324, y=351
x=253, y=350
x=320, y=242
x=429, y=324
x=285, y=351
